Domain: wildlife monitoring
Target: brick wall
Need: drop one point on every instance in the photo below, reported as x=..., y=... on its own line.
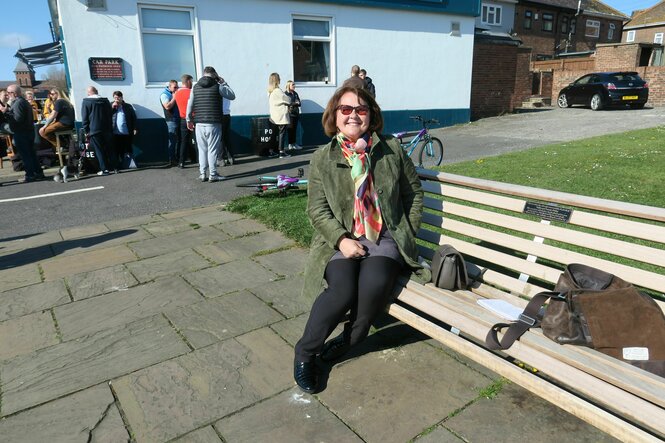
x=500, y=79
x=655, y=75
x=620, y=57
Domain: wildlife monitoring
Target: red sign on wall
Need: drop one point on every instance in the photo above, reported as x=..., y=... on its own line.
x=106, y=68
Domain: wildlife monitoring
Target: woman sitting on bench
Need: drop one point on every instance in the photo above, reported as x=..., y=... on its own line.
x=61, y=119
x=365, y=204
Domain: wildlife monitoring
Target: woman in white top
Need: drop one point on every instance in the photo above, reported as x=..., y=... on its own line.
x=279, y=113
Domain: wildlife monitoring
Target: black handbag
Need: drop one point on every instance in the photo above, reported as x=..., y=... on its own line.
x=449, y=269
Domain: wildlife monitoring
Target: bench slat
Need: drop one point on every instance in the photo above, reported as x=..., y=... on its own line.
x=636, y=276
x=555, y=395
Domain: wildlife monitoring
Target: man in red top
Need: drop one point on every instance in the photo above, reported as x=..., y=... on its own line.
x=181, y=99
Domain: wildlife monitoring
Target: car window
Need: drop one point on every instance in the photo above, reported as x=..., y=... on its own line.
x=583, y=81
x=628, y=77
x=595, y=79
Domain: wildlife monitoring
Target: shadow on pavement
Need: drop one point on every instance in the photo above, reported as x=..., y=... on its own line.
x=38, y=253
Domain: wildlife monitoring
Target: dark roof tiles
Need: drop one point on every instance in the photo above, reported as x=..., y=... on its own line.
x=652, y=15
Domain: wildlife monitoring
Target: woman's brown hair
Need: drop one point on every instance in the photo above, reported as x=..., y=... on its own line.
x=329, y=119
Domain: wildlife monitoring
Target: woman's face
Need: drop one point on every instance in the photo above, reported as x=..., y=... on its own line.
x=352, y=126
x=4, y=96
x=292, y=87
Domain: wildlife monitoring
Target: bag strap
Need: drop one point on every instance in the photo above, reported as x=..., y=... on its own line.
x=526, y=320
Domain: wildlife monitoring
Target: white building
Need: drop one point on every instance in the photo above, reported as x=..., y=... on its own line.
x=497, y=16
x=418, y=53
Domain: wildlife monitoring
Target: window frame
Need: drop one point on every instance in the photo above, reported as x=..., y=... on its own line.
x=565, y=23
x=545, y=21
x=193, y=32
x=592, y=25
x=332, y=79
x=655, y=38
x=485, y=12
x=630, y=36
x=528, y=15
x=610, y=31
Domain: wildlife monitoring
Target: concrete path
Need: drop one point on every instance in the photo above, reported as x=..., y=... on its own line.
x=180, y=327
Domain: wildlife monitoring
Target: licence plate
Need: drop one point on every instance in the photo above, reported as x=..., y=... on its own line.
x=629, y=97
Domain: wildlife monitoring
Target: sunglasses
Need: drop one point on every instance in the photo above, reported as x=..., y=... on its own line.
x=347, y=110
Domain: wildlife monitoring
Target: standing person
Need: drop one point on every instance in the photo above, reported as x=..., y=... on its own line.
x=182, y=97
x=368, y=82
x=204, y=112
x=354, y=81
x=360, y=248
x=226, y=153
x=279, y=113
x=294, y=114
x=36, y=111
x=124, y=126
x=172, y=117
x=19, y=117
x=61, y=119
x=98, y=125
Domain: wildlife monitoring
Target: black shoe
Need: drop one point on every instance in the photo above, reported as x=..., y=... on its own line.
x=231, y=160
x=304, y=374
x=335, y=348
x=181, y=165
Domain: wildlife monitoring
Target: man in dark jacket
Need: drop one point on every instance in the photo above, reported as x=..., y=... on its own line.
x=204, y=109
x=368, y=82
x=124, y=126
x=20, y=118
x=98, y=125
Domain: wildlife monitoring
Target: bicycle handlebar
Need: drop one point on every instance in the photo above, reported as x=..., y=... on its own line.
x=425, y=122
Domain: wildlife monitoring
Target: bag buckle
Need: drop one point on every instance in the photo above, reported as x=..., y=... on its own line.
x=526, y=319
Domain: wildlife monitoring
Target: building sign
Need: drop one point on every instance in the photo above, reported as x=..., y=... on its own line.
x=548, y=211
x=106, y=68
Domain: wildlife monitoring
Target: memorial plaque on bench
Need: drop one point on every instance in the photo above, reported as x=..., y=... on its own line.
x=550, y=211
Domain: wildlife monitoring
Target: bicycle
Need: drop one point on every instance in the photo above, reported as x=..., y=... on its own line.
x=431, y=152
x=281, y=182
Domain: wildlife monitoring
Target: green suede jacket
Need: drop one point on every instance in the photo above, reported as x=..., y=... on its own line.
x=330, y=205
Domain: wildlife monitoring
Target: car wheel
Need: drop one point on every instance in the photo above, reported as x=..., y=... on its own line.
x=637, y=106
x=596, y=102
x=563, y=101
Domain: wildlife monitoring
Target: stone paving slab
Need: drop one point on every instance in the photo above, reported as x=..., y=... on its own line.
x=182, y=240
x=133, y=222
x=212, y=218
x=250, y=245
x=16, y=258
x=290, y=416
x=34, y=298
x=284, y=296
x=220, y=318
x=208, y=384
x=289, y=262
x=29, y=241
x=214, y=253
x=59, y=267
x=498, y=417
x=50, y=373
x=243, y=227
x=28, y=333
x=230, y=277
x=83, y=231
x=86, y=416
x=92, y=315
x=101, y=281
x=20, y=276
x=204, y=435
x=104, y=240
x=396, y=393
x=175, y=263
x=168, y=227
x=194, y=211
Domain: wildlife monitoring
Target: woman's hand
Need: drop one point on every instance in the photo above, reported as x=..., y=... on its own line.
x=351, y=248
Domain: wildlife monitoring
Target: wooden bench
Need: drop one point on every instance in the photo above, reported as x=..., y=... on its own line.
x=62, y=139
x=524, y=254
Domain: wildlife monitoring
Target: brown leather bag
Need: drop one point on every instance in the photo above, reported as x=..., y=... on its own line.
x=593, y=308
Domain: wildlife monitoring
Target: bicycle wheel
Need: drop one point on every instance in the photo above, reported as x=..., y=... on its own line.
x=259, y=183
x=431, y=153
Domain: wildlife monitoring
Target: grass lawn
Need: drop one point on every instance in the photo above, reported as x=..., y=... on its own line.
x=627, y=167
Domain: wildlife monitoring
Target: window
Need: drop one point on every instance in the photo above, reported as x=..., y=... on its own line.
x=573, y=26
x=312, y=38
x=630, y=37
x=491, y=15
x=564, y=25
x=592, y=28
x=610, y=31
x=528, y=16
x=548, y=22
x=658, y=38
x=168, y=43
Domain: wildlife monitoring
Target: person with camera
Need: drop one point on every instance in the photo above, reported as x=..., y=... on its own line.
x=172, y=117
x=204, y=116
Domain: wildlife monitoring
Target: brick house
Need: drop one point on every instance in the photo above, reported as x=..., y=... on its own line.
x=646, y=26
x=553, y=27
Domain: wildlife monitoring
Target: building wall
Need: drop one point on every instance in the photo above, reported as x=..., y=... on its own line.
x=507, y=17
x=407, y=54
x=621, y=57
x=643, y=35
x=501, y=79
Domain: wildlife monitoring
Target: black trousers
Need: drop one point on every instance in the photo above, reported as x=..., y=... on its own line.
x=282, y=137
x=226, y=151
x=363, y=287
x=123, y=145
x=293, y=128
x=185, y=145
x=104, y=150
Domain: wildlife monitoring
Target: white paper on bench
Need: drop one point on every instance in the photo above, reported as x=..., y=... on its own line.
x=501, y=308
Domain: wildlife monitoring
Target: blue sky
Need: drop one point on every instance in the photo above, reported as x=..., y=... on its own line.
x=26, y=23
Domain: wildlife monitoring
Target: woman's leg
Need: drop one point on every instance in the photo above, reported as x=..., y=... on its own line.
x=329, y=308
x=281, y=138
x=292, y=130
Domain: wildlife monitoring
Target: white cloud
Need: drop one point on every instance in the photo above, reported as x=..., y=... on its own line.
x=12, y=40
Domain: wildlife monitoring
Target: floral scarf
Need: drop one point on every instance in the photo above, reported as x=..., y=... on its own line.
x=367, y=218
